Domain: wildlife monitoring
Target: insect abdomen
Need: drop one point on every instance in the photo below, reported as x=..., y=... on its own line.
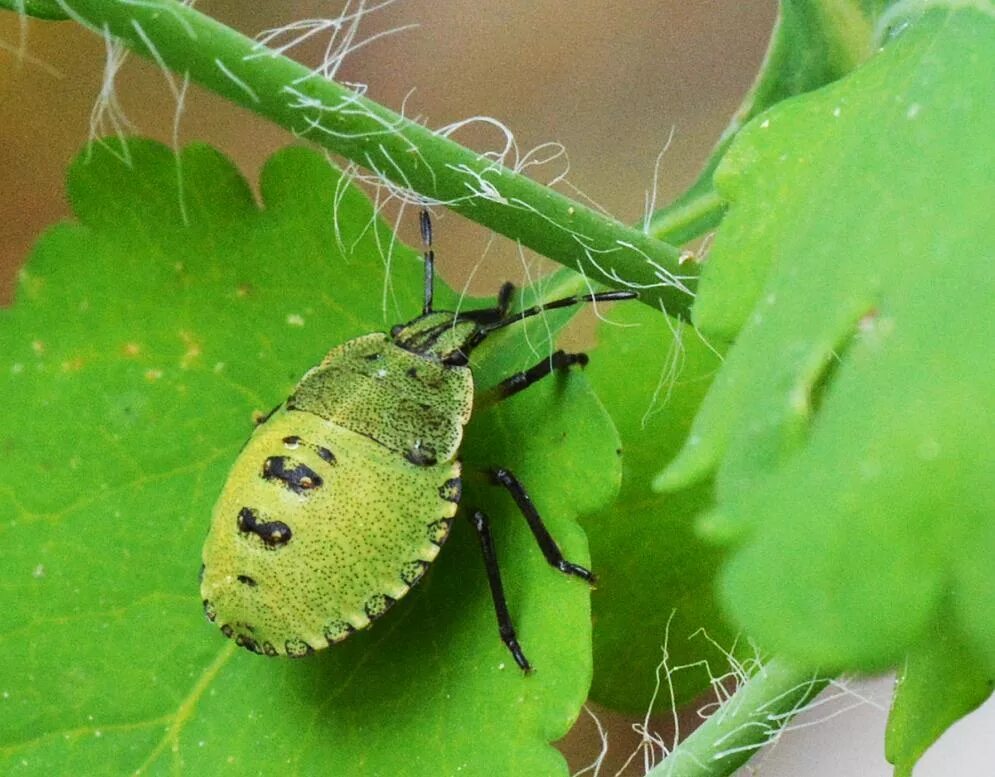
x=318, y=531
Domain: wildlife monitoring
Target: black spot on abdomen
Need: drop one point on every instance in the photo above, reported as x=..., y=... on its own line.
x=274, y=534
x=291, y=474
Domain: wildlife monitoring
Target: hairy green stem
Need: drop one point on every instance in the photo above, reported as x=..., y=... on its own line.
x=750, y=719
x=191, y=44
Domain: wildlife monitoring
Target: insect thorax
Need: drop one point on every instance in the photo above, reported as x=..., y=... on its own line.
x=408, y=402
x=440, y=336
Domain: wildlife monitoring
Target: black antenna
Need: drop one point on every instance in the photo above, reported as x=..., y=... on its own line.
x=600, y=296
x=426, y=239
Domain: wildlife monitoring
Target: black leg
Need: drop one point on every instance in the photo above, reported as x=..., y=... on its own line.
x=505, y=293
x=560, y=360
x=426, y=238
x=505, y=627
x=544, y=539
x=487, y=316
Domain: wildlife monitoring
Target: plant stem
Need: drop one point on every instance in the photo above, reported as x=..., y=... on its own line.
x=750, y=719
x=410, y=155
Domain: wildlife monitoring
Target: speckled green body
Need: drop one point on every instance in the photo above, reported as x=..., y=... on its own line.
x=341, y=498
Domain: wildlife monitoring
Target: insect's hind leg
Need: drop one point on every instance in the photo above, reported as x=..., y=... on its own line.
x=507, y=630
x=559, y=360
x=548, y=546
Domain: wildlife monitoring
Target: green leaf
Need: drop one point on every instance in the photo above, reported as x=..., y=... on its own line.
x=656, y=575
x=142, y=341
x=943, y=679
x=851, y=427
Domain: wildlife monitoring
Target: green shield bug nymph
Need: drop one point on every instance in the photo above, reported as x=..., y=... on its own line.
x=343, y=495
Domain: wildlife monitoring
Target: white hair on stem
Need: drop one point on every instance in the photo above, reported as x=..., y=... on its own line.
x=465, y=291
x=497, y=157
x=386, y=251
x=168, y=8
x=477, y=186
x=227, y=73
x=610, y=273
x=649, y=197
x=673, y=364
x=342, y=184
x=595, y=766
x=20, y=51
x=537, y=287
x=21, y=54
x=705, y=341
x=542, y=155
x=667, y=278
x=107, y=116
x=741, y=668
x=581, y=194
x=342, y=33
x=773, y=724
x=649, y=742
x=179, y=92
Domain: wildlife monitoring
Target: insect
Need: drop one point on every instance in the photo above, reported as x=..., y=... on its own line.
x=345, y=492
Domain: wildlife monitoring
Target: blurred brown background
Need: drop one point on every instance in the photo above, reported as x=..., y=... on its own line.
x=610, y=81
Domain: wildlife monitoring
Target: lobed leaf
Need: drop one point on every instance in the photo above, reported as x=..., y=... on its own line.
x=850, y=430
x=143, y=339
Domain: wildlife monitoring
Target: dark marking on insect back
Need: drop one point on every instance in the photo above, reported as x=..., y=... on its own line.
x=412, y=572
x=268, y=649
x=439, y=530
x=246, y=580
x=452, y=490
x=325, y=454
x=227, y=630
x=298, y=648
x=292, y=474
x=421, y=455
x=209, y=610
x=292, y=442
x=248, y=643
x=336, y=631
x=273, y=533
x=377, y=605
x=261, y=419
